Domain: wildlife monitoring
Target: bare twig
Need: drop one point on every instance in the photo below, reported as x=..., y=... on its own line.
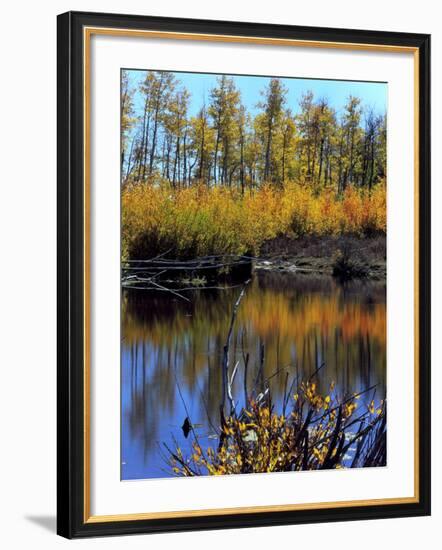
x=225, y=363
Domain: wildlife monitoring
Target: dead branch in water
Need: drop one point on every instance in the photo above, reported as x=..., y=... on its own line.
x=199, y=260
x=163, y=274
x=195, y=264
x=225, y=362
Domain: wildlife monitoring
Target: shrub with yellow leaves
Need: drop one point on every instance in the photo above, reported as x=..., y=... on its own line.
x=320, y=432
x=199, y=220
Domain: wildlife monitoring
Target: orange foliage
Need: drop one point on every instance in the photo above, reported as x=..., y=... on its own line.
x=201, y=220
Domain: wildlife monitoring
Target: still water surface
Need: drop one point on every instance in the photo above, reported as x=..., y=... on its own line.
x=294, y=322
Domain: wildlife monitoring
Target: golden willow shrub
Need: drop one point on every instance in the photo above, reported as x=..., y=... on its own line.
x=318, y=433
x=200, y=220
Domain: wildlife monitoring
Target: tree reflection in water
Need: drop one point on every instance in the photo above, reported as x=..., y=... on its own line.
x=300, y=322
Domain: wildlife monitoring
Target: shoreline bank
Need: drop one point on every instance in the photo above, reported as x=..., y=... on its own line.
x=349, y=256
x=341, y=257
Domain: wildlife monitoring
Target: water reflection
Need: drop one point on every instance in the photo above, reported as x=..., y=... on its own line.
x=295, y=322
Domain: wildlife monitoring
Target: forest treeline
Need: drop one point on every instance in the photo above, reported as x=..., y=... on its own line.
x=224, y=144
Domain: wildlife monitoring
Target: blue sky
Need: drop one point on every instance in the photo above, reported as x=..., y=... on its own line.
x=372, y=94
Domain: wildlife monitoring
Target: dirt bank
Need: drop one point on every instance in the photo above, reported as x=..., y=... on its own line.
x=347, y=256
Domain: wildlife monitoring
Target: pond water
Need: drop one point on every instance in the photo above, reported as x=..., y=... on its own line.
x=172, y=354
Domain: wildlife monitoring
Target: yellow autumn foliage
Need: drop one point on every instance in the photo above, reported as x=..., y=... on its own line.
x=200, y=220
x=318, y=433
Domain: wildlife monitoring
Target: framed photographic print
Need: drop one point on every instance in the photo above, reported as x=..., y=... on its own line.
x=243, y=274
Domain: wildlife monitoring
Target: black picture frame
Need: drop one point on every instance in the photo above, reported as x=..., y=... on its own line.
x=70, y=265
